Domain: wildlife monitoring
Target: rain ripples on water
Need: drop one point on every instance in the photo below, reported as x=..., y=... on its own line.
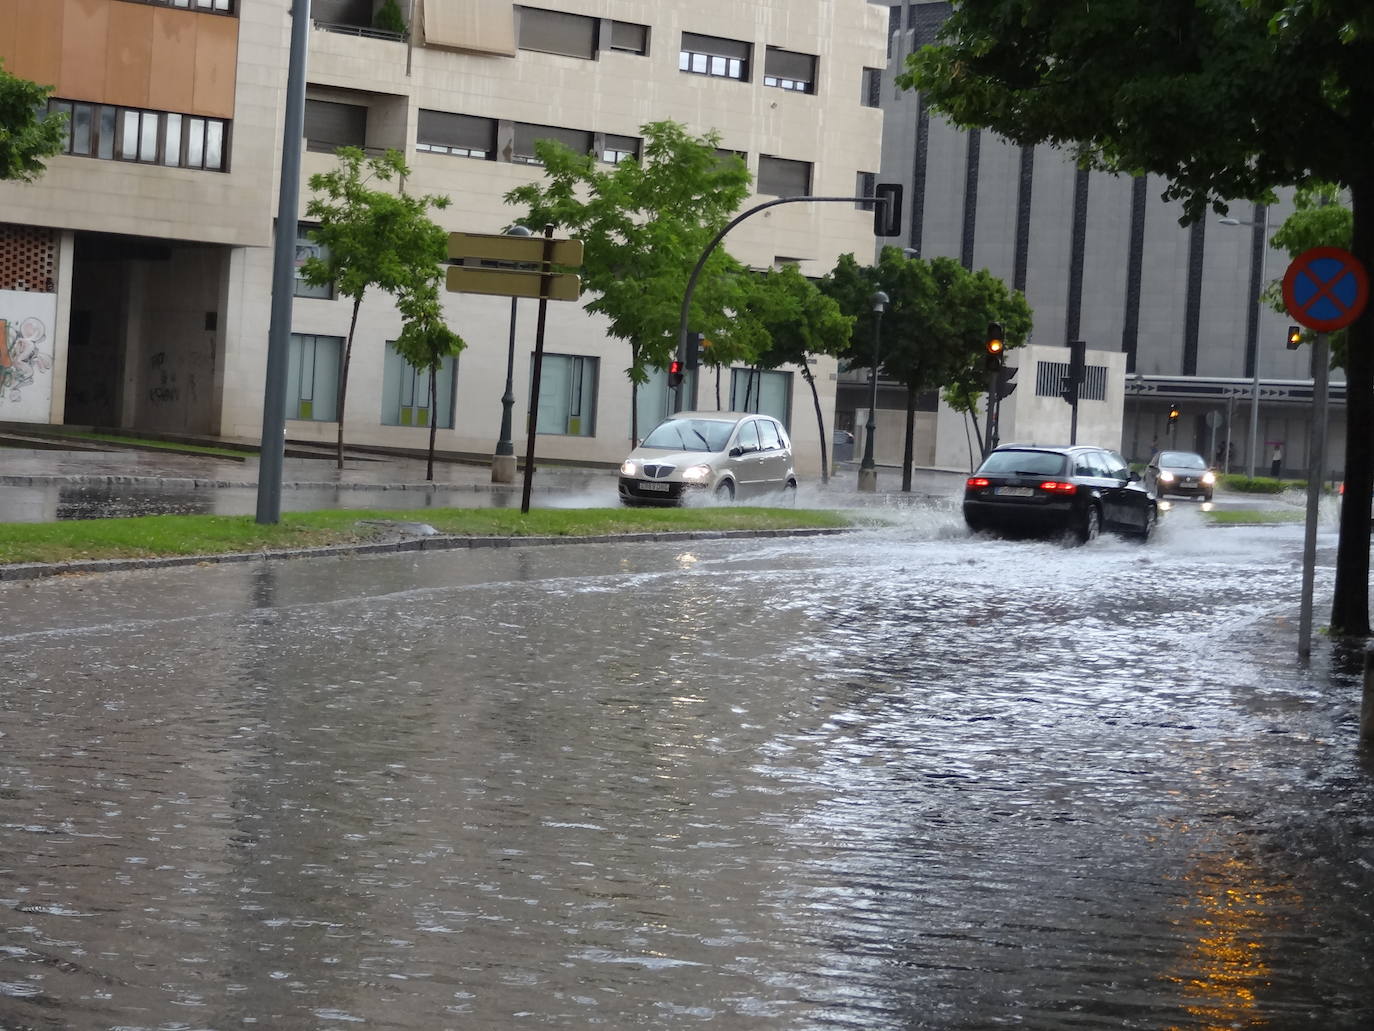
x=903, y=778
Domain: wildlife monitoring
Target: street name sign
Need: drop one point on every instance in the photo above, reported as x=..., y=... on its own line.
x=526, y=274
x=499, y=247
x=1325, y=288
x=505, y=282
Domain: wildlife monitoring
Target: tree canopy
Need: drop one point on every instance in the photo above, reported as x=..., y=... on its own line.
x=644, y=224
x=1226, y=99
x=370, y=237
x=27, y=133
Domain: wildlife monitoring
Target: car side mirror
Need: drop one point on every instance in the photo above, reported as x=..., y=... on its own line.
x=1134, y=477
x=736, y=451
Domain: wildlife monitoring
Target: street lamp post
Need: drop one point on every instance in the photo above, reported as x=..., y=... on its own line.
x=503, y=461
x=868, y=472
x=1256, y=294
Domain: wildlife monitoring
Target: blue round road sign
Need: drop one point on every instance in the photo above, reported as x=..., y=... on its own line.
x=1325, y=289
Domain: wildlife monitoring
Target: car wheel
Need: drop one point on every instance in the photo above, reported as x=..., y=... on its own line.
x=1091, y=524
x=789, y=492
x=1207, y=496
x=1151, y=521
x=725, y=491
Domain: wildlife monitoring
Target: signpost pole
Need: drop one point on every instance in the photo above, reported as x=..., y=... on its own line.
x=546, y=277
x=1316, y=466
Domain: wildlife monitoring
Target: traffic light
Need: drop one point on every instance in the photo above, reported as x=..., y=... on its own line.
x=1077, y=360
x=887, y=209
x=693, y=355
x=995, y=347
x=1004, y=384
x=1068, y=389
x=675, y=374
x=1173, y=414
x=1294, y=338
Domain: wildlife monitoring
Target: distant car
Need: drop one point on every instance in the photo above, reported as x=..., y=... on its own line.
x=1180, y=472
x=722, y=455
x=1080, y=490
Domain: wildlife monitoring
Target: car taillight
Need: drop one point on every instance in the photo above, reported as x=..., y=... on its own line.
x=978, y=481
x=1055, y=487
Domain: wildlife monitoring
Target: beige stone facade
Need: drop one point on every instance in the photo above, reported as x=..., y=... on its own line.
x=164, y=265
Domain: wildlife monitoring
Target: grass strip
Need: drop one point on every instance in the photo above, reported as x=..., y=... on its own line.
x=1243, y=518
x=179, y=535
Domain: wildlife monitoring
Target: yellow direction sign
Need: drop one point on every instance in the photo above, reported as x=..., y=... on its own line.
x=499, y=247
x=563, y=286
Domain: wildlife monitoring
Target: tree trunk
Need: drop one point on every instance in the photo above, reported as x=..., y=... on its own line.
x=718, y=408
x=433, y=419
x=909, y=448
x=820, y=420
x=1350, y=597
x=343, y=374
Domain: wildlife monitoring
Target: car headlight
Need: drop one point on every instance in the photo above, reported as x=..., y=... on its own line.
x=697, y=473
x=1165, y=476
x=1209, y=478
x=628, y=469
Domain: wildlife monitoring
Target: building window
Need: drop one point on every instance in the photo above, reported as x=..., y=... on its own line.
x=330, y=125
x=460, y=135
x=788, y=70
x=617, y=148
x=629, y=38
x=405, y=392
x=779, y=177
x=212, y=6
x=766, y=392
x=710, y=55
x=724, y=156
x=865, y=183
x=567, y=395
x=554, y=32
x=872, y=87
x=308, y=248
x=313, y=367
x=151, y=137
x=527, y=135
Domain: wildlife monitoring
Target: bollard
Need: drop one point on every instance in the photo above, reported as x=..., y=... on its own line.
x=1367, y=704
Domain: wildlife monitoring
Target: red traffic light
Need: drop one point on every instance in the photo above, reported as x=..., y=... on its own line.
x=674, y=374
x=675, y=368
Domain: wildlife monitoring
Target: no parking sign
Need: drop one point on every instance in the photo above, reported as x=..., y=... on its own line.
x=1325, y=288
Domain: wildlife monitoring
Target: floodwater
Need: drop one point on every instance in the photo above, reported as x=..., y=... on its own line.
x=889, y=780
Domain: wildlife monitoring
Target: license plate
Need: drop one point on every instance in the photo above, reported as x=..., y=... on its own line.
x=1015, y=492
x=1188, y=483
x=647, y=485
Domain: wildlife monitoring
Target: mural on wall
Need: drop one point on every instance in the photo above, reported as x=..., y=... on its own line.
x=26, y=355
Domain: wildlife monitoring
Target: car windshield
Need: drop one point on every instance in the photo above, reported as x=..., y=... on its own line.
x=690, y=435
x=1027, y=463
x=1181, y=460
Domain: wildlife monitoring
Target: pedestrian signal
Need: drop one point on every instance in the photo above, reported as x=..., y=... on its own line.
x=675, y=374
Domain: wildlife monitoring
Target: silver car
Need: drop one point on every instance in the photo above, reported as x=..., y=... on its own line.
x=720, y=455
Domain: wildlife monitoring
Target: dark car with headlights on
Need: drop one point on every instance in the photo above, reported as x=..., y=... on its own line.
x=1035, y=490
x=1180, y=472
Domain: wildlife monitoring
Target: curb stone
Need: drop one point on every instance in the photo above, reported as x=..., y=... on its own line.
x=22, y=571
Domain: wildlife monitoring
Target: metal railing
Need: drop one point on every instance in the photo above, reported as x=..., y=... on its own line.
x=361, y=30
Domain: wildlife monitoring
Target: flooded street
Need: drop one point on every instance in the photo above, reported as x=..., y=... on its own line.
x=901, y=778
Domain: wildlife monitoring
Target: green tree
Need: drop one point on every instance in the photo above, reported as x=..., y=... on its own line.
x=1227, y=99
x=27, y=133
x=800, y=321
x=371, y=238
x=933, y=331
x=426, y=341
x=643, y=225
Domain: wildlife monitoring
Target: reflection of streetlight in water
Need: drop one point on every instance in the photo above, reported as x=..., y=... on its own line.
x=1226, y=966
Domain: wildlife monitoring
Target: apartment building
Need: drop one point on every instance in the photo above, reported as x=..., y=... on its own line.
x=138, y=268
x=1171, y=310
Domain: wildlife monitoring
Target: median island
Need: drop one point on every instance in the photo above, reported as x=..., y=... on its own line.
x=181, y=536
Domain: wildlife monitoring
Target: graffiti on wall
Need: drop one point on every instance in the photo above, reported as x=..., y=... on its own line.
x=22, y=356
